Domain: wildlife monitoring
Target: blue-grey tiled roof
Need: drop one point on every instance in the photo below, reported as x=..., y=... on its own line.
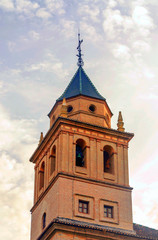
x=80, y=85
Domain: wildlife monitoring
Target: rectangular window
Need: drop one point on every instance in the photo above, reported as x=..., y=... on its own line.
x=83, y=207
x=108, y=211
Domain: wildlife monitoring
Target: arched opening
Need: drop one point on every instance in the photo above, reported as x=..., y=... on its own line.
x=80, y=153
x=52, y=160
x=41, y=176
x=108, y=159
x=43, y=220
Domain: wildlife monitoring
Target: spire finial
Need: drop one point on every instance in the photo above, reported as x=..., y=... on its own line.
x=120, y=123
x=80, y=62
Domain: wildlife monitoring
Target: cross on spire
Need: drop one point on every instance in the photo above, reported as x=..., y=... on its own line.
x=80, y=62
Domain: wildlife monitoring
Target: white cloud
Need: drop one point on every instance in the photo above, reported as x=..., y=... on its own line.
x=141, y=17
x=67, y=28
x=26, y=6
x=150, y=96
x=141, y=45
x=55, y=67
x=89, y=11
x=148, y=73
x=19, y=6
x=34, y=35
x=11, y=46
x=113, y=22
x=145, y=197
x=23, y=41
x=7, y=5
x=55, y=6
x=1, y=85
x=15, y=132
x=16, y=187
x=91, y=33
x=139, y=23
x=121, y=2
x=130, y=33
x=43, y=13
x=112, y=3
x=121, y=52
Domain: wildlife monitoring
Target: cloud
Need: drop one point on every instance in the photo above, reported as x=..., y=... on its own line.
x=112, y=3
x=26, y=6
x=53, y=65
x=34, y=35
x=55, y=6
x=11, y=46
x=20, y=7
x=16, y=187
x=139, y=22
x=89, y=11
x=67, y=28
x=142, y=46
x=142, y=20
x=7, y=5
x=145, y=199
x=113, y=22
x=43, y=13
x=121, y=52
x=23, y=42
x=141, y=17
x=91, y=32
x=14, y=133
x=1, y=86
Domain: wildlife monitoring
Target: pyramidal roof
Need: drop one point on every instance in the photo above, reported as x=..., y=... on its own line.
x=80, y=85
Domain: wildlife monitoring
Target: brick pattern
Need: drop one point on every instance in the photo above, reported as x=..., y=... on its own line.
x=62, y=190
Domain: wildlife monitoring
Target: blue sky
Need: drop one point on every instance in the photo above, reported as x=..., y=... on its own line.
x=38, y=41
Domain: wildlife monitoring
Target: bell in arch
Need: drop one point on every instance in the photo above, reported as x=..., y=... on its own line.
x=79, y=156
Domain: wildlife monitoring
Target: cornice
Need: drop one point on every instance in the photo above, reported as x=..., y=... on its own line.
x=79, y=178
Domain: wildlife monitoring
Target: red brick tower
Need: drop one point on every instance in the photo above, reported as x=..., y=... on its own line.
x=81, y=169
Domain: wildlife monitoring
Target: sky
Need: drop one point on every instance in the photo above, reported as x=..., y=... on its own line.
x=38, y=40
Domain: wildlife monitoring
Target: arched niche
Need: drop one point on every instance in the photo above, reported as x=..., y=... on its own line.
x=41, y=175
x=108, y=159
x=80, y=153
x=52, y=159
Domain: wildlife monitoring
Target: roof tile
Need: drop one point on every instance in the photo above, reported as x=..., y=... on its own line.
x=80, y=85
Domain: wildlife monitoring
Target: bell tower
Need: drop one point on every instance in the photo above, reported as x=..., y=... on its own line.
x=81, y=168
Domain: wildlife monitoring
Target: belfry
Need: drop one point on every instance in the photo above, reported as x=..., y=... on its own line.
x=81, y=186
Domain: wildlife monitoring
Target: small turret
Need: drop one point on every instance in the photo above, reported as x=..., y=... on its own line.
x=120, y=123
x=64, y=109
x=41, y=138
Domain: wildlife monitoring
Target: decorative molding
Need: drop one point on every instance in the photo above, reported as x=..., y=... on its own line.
x=71, y=134
x=91, y=138
x=119, y=145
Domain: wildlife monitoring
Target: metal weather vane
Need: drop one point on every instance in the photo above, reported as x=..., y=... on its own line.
x=80, y=62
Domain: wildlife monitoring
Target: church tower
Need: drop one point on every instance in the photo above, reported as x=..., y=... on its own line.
x=81, y=186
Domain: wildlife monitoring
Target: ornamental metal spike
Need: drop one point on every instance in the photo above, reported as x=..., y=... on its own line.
x=80, y=62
